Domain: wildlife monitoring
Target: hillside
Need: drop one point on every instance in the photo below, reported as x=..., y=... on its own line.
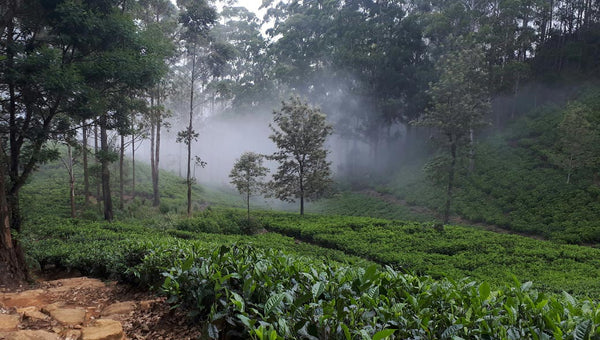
x=516, y=184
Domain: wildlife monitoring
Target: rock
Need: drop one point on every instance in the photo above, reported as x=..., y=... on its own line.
x=23, y=299
x=31, y=335
x=119, y=308
x=69, y=316
x=32, y=313
x=52, y=307
x=77, y=282
x=103, y=329
x=73, y=334
x=9, y=322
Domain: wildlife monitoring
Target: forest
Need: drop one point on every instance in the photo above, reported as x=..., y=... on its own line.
x=323, y=169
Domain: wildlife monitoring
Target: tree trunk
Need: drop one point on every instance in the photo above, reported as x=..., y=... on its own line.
x=248, y=204
x=450, y=183
x=96, y=151
x=189, y=138
x=121, y=173
x=13, y=269
x=13, y=170
x=155, y=179
x=106, y=197
x=86, y=178
x=156, y=151
x=471, y=151
x=152, y=142
x=69, y=165
x=133, y=166
x=301, y=191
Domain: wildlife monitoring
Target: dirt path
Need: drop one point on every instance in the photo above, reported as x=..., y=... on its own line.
x=453, y=219
x=88, y=309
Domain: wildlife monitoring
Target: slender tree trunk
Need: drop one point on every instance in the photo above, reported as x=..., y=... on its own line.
x=121, y=173
x=471, y=151
x=570, y=170
x=152, y=142
x=301, y=191
x=189, y=138
x=12, y=260
x=450, y=183
x=133, y=166
x=106, y=196
x=248, y=204
x=69, y=165
x=98, y=183
x=155, y=188
x=86, y=179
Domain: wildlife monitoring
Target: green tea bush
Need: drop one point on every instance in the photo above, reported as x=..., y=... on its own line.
x=272, y=295
x=457, y=252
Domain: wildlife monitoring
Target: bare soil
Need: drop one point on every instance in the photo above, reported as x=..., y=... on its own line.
x=151, y=318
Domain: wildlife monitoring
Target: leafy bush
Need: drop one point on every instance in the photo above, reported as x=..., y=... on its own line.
x=270, y=294
x=456, y=253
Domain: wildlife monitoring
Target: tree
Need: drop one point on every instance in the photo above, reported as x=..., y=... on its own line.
x=197, y=19
x=300, y=132
x=246, y=175
x=158, y=16
x=59, y=59
x=577, y=146
x=459, y=102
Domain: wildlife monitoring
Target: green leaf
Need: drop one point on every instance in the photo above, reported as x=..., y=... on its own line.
x=273, y=303
x=346, y=332
x=370, y=273
x=213, y=331
x=383, y=334
x=526, y=286
x=569, y=299
x=451, y=331
x=582, y=331
x=187, y=264
x=317, y=289
x=484, y=291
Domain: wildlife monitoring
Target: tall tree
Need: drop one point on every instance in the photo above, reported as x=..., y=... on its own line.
x=159, y=18
x=197, y=18
x=61, y=58
x=300, y=132
x=459, y=103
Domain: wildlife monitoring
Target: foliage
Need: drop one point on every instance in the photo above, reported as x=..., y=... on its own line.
x=255, y=290
x=246, y=175
x=577, y=144
x=459, y=103
x=299, y=133
x=273, y=295
x=516, y=184
x=455, y=253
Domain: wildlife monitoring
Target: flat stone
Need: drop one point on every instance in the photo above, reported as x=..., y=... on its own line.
x=103, y=329
x=73, y=334
x=27, y=298
x=31, y=335
x=77, y=282
x=69, y=316
x=119, y=308
x=52, y=307
x=32, y=313
x=9, y=322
